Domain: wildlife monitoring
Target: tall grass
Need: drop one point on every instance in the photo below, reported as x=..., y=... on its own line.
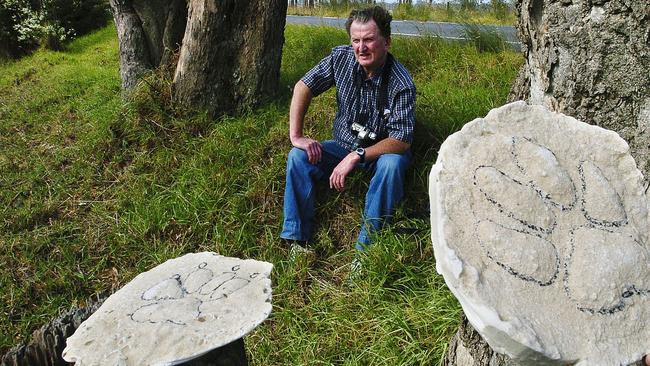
x=485, y=40
x=97, y=190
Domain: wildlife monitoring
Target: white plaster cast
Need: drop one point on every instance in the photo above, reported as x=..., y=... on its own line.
x=539, y=227
x=175, y=312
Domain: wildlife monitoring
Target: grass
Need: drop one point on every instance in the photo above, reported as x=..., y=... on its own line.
x=498, y=13
x=97, y=190
x=485, y=40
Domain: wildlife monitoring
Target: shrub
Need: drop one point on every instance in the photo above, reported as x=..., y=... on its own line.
x=468, y=4
x=25, y=24
x=500, y=8
x=79, y=16
x=19, y=27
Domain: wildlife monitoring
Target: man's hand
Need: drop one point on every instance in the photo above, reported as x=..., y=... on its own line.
x=337, y=179
x=312, y=147
x=299, y=104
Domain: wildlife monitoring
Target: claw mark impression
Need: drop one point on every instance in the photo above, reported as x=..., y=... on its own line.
x=499, y=189
x=196, y=279
x=546, y=176
x=601, y=204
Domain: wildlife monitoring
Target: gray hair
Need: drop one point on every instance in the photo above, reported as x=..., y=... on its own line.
x=380, y=15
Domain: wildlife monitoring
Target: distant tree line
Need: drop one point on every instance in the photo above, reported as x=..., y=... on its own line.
x=312, y=3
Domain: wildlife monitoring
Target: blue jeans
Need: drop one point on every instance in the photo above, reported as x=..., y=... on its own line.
x=385, y=191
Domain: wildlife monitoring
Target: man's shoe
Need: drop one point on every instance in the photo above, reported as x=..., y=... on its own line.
x=298, y=248
x=355, y=271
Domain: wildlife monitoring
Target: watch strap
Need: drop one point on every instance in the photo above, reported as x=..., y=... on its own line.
x=362, y=154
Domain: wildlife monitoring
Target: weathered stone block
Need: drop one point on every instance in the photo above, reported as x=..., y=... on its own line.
x=540, y=228
x=181, y=310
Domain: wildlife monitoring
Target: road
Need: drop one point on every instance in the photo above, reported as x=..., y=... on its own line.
x=451, y=31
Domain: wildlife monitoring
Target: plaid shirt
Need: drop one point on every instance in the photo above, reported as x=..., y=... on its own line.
x=357, y=97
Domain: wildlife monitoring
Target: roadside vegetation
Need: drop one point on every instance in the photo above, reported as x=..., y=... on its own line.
x=96, y=190
x=26, y=25
x=497, y=12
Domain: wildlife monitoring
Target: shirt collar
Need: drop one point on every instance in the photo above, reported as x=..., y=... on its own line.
x=362, y=73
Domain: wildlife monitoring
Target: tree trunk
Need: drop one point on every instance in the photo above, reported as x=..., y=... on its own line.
x=134, y=56
x=231, y=53
x=467, y=348
x=588, y=59
x=47, y=343
x=148, y=32
x=164, y=26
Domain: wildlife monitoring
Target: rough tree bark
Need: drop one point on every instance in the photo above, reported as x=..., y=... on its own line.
x=589, y=59
x=149, y=32
x=47, y=343
x=468, y=348
x=231, y=53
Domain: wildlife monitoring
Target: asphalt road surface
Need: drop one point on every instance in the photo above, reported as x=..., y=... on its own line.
x=450, y=31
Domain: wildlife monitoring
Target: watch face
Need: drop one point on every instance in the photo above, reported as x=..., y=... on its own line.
x=362, y=153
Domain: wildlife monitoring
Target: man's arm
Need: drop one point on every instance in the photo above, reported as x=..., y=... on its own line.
x=300, y=101
x=386, y=146
x=403, y=109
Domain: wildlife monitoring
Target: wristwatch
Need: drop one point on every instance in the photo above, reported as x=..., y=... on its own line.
x=362, y=154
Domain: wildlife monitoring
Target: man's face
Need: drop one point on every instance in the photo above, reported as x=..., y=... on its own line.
x=370, y=48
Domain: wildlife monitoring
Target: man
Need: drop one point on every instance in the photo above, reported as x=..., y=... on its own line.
x=376, y=98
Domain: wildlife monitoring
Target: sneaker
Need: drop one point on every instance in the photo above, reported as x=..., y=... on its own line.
x=355, y=271
x=297, y=249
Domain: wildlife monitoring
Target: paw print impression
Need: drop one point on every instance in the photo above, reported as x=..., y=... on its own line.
x=175, y=312
x=540, y=227
x=567, y=224
x=182, y=299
